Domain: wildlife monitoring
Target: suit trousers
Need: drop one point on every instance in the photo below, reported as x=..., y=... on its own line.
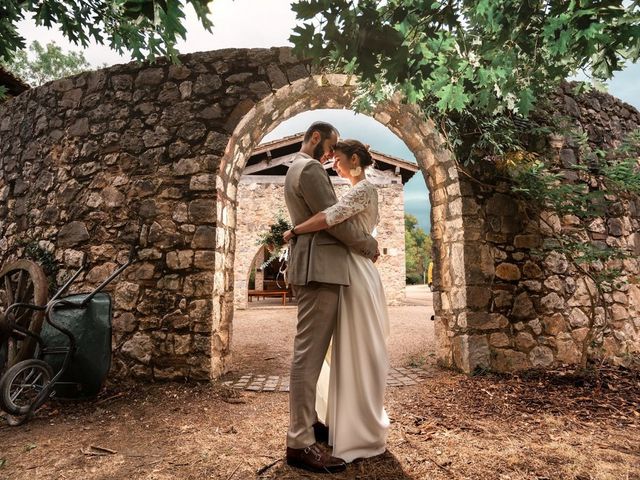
x=317, y=319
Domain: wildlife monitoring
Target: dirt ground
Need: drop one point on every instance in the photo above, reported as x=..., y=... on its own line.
x=263, y=338
x=539, y=426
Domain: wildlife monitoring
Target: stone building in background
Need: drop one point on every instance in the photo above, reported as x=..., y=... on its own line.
x=261, y=199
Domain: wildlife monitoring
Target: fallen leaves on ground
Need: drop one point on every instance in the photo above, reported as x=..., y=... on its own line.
x=550, y=424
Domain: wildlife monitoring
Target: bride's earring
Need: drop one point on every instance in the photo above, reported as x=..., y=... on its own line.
x=356, y=172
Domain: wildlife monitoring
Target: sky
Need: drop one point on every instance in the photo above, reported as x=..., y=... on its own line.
x=268, y=23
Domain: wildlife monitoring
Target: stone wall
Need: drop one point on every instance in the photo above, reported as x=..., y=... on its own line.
x=390, y=236
x=130, y=155
x=151, y=156
x=262, y=197
x=537, y=311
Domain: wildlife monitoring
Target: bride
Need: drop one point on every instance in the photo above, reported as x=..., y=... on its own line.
x=350, y=391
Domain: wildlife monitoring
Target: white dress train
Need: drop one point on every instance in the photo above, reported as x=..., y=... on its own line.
x=350, y=390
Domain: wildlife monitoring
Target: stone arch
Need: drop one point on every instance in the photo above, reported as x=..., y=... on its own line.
x=246, y=264
x=151, y=155
x=257, y=257
x=435, y=160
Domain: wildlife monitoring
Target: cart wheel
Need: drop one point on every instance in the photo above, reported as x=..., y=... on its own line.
x=22, y=281
x=22, y=383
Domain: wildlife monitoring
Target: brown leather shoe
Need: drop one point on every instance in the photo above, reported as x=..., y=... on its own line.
x=321, y=432
x=314, y=459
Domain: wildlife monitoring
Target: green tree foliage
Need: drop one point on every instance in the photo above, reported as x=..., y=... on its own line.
x=472, y=65
x=417, y=249
x=46, y=63
x=145, y=28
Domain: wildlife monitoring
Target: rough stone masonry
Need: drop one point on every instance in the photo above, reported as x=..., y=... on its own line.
x=151, y=155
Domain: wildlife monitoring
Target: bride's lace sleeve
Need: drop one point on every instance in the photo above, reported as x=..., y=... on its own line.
x=353, y=202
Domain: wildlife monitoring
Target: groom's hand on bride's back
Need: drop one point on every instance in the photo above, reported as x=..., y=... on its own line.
x=376, y=256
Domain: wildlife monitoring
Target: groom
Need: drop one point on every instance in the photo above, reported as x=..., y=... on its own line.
x=317, y=270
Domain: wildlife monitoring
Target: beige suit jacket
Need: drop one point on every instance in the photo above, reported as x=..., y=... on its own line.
x=320, y=256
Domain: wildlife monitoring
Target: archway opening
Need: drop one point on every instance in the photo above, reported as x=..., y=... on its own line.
x=265, y=281
x=337, y=91
x=260, y=197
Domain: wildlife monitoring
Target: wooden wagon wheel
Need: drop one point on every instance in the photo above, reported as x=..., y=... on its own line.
x=22, y=281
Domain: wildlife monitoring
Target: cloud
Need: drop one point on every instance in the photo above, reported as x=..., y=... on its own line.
x=241, y=24
x=237, y=24
x=624, y=85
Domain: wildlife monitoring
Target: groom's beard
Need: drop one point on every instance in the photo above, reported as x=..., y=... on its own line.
x=318, y=152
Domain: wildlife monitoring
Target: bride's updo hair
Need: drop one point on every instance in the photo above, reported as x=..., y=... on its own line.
x=350, y=146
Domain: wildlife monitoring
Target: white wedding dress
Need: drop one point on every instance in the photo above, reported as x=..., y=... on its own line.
x=350, y=390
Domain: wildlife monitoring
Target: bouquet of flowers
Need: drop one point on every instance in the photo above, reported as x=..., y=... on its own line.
x=273, y=239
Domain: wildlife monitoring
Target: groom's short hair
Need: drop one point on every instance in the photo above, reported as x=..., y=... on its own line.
x=325, y=129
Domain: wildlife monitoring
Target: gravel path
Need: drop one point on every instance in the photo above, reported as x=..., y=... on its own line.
x=262, y=339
